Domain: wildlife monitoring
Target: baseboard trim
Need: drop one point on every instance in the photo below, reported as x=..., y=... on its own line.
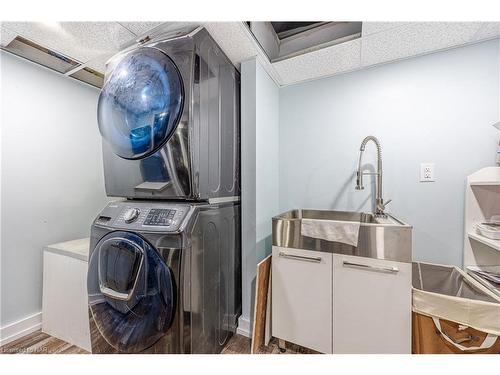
x=21, y=328
x=244, y=328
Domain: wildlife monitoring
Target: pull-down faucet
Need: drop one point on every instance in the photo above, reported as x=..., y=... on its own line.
x=379, y=202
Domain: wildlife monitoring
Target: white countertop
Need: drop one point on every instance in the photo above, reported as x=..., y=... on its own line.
x=76, y=249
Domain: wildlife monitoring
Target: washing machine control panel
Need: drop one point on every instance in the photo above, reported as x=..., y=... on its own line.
x=160, y=217
x=144, y=215
x=165, y=218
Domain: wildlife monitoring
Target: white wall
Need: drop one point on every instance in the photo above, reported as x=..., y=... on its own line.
x=437, y=108
x=260, y=175
x=52, y=179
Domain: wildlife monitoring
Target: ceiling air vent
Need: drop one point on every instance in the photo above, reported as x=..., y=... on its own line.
x=53, y=60
x=90, y=76
x=282, y=40
x=41, y=55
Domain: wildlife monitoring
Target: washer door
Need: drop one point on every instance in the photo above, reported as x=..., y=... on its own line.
x=131, y=292
x=140, y=103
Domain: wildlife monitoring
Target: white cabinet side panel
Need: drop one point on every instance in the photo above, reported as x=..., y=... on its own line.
x=64, y=301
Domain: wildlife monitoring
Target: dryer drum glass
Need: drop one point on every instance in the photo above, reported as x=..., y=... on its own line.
x=140, y=103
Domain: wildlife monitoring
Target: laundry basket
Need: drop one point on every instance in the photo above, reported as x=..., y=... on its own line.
x=453, y=313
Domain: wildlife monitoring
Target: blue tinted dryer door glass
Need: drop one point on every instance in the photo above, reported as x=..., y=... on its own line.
x=140, y=103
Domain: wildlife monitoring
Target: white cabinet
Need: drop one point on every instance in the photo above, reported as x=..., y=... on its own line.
x=371, y=305
x=341, y=304
x=302, y=297
x=64, y=301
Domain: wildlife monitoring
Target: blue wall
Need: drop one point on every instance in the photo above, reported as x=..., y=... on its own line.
x=51, y=171
x=436, y=108
x=260, y=175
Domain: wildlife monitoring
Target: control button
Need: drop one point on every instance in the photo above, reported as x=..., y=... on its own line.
x=131, y=215
x=159, y=217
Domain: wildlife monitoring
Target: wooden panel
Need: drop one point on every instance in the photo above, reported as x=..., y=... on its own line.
x=428, y=340
x=302, y=299
x=260, y=306
x=268, y=328
x=371, y=310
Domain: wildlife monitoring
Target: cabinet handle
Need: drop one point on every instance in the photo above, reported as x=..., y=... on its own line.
x=300, y=257
x=371, y=268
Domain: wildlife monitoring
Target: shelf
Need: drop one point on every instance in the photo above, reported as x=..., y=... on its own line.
x=485, y=183
x=482, y=200
x=494, y=244
x=489, y=176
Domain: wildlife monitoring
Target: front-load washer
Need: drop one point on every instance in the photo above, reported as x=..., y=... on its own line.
x=164, y=277
x=169, y=115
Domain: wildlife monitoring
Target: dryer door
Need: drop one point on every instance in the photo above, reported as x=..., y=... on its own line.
x=140, y=103
x=131, y=292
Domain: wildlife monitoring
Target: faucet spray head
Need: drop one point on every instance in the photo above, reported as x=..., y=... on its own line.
x=359, y=181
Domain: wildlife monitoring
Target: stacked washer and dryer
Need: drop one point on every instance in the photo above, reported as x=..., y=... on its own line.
x=165, y=262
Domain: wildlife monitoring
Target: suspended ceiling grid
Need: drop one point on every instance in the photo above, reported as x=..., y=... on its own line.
x=92, y=43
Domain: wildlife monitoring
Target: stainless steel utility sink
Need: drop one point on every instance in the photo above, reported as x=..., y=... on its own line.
x=362, y=217
x=381, y=238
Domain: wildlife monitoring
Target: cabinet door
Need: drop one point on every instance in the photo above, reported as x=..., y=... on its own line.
x=372, y=305
x=302, y=297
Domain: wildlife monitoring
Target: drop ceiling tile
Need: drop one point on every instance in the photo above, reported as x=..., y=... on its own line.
x=6, y=36
x=139, y=28
x=99, y=63
x=82, y=41
x=233, y=40
x=375, y=27
x=415, y=39
x=173, y=29
x=165, y=28
x=487, y=30
x=320, y=63
x=238, y=43
x=230, y=36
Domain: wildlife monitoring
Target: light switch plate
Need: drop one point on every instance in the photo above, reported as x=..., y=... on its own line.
x=427, y=172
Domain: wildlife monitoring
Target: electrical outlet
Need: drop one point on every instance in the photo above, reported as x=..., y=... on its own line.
x=427, y=172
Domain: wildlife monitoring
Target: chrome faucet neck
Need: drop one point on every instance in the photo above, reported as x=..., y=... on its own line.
x=379, y=201
x=374, y=140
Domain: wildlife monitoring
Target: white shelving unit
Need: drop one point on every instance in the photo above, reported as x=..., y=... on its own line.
x=494, y=244
x=482, y=200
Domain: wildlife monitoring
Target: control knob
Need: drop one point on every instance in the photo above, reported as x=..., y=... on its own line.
x=131, y=215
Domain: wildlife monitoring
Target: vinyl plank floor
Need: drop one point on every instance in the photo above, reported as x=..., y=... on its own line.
x=241, y=345
x=41, y=343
